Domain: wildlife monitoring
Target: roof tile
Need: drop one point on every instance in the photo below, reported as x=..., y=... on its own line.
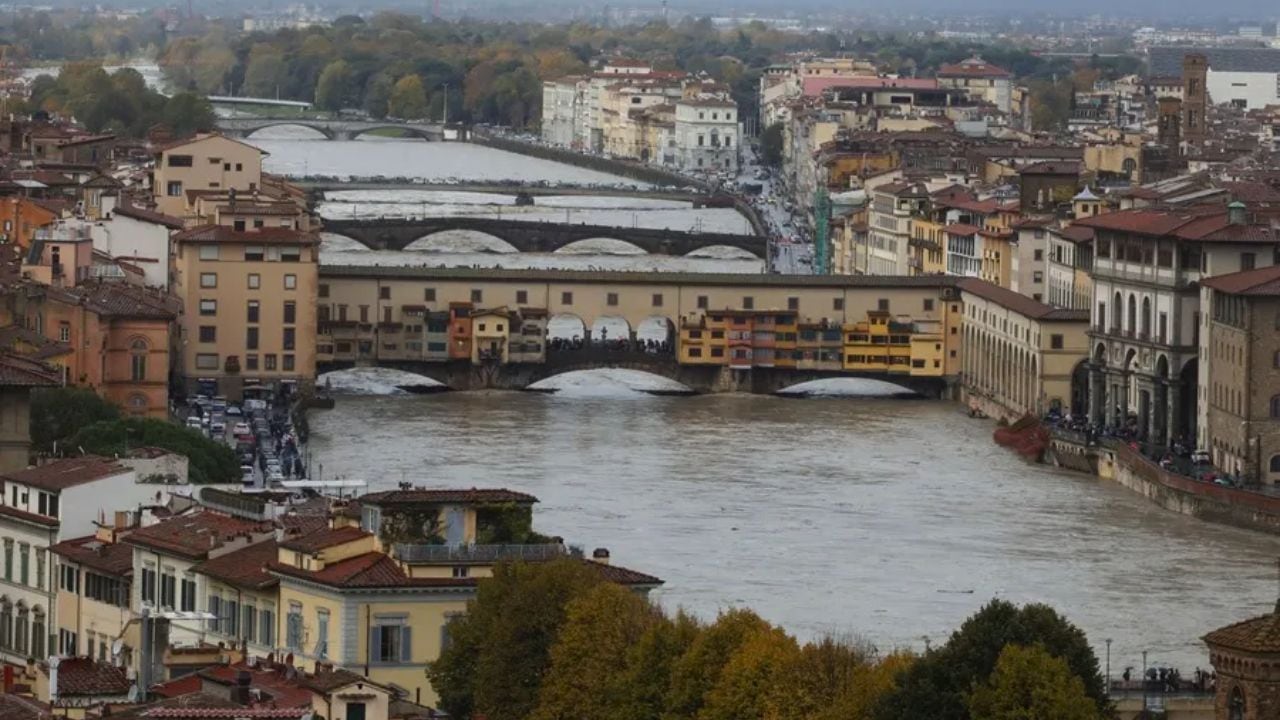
x=67, y=472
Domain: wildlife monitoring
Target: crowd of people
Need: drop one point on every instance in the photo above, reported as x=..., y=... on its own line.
x=617, y=344
x=1168, y=680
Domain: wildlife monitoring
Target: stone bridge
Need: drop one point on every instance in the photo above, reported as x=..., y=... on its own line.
x=331, y=129
x=700, y=379
x=399, y=233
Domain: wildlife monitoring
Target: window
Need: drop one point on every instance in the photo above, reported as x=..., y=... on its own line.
x=149, y=585
x=611, y=299
x=251, y=362
x=24, y=563
x=179, y=161
x=928, y=305
x=1055, y=342
x=168, y=590
x=252, y=253
x=40, y=568
x=249, y=623
x=384, y=293
x=255, y=281
x=208, y=333
x=390, y=640
x=461, y=571
x=293, y=627
x=187, y=600
x=1275, y=409
x=208, y=307
x=138, y=360
x=837, y=304
x=322, y=633
x=793, y=303
x=522, y=297
x=702, y=305
x=748, y=303
x=657, y=299
x=1037, y=277
x=882, y=304
x=566, y=298
x=267, y=625
x=173, y=188
x=269, y=361
x=207, y=361
x=208, y=280
x=289, y=338
x=290, y=312
x=251, y=338
x=252, y=311
x=286, y=362
x=8, y=553
x=69, y=579
x=209, y=251
x=477, y=296
x=239, y=167
x=429, y=294
x=290, y=282
x=1248, y=261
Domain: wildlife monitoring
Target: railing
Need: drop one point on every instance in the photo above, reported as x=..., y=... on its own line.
x=445, y=554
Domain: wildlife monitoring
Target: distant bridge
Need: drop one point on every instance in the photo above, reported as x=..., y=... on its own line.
x=525, y=236
x=229, y=100
x=331, y=129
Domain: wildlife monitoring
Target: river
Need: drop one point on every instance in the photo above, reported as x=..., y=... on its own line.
x=889, y=519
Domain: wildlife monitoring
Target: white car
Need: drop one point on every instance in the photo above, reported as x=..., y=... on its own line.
x=217, y=428
x=195, y=422
x=241, y=429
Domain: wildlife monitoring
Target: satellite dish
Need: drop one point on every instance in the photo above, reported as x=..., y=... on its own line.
x=116, y=648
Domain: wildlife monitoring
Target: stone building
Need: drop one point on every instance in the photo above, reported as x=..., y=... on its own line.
x=1246, y=657
x=18, y=377
x=1241, y=314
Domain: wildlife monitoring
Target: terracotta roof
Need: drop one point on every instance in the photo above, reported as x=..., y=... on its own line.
x=200, y=137
x=260, y=208
x=1261, y=282
x=11, y=335
x=67, y=472
x=1252, y=192
x=16, y=707
x=246, y=568
x=24, y=516
x=19, y=371
x=370, y=570
x=1257, y=635
x=115, y=299
x=1019, y=303
x=900, y=188
x=815, y=86
x=193, y=536
x=973, y=67
x=107, y=558
x=266, y=235
x=326, y=538
x=151, y=216
x=624, y=576
x=85, y=676
x=962, y=229
x=86, y=140
x=327, y=682
x=985, y=207
x=474, y=496
x=1051, y=167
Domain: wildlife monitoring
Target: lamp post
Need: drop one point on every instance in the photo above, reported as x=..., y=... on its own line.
x=1108, y=667
x=1144, y=679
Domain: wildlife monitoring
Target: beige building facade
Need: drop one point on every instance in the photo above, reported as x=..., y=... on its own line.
x=206, y=162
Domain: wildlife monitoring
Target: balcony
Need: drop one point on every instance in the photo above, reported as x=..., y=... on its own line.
x=479, y=554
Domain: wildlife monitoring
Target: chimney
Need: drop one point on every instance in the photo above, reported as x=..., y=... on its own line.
x=240, y=691
x=600, y=555
x=1236, y=213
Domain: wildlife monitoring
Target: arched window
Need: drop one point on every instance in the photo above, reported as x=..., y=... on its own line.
x=138, y=402
x=6, y=623
x=1133, y=314
x=1236, y=705
x=138, y=359
x=22, y=630
x=1275, y=463
x=1275, y=407
x=1117, y=314
x=1146, y=316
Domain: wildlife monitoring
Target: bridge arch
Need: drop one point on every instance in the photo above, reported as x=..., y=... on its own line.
x=461, y=241
x=319, y=129
x=607, y=328
x=658, y=328
x=566, y=327
x=610, y=381
x=412, y=132
x=337, y=242
x=600, y=246
x=722, y=252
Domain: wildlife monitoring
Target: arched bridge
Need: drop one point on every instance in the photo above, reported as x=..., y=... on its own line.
x=331, y=129
x=525, y=236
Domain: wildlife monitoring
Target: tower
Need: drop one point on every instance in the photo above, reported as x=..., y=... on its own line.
x=1169, y=126
x=1195, y=99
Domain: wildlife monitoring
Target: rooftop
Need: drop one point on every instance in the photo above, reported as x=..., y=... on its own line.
x=66, y=473
x=973, y=67
x=326, y=538
x=1260, y=282
x=16, y=707
x=244, y=568
x=114, y=559
x=193, y=536
x=145, y=215
x=264, y=236
x=474, y=496
x=19, y=371
x=368, y=571
x=1256, y=635
x=83, y=676
x=1021, y=304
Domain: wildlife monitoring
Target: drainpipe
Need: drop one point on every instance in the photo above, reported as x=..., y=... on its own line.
x=368, y=650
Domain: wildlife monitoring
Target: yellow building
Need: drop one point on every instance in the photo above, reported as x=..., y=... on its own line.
x=886, y=344
x=250, y=307
x=491, y=332
x=94, y=576
x=997, y=256
x=207, y=161
x=928, y=240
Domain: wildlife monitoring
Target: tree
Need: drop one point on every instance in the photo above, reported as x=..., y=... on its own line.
x=408, y=99
x=763, y=680
x=771, y=145
x=208, y=461
x=858, y=697
x=265, y=72
x=937, y=685
x=57, y=413
x=649, y=666
x=188, y=113
x=698, y=670
x=377, y=95
x=335, y=86
x=499, y=651
x=1030, y=683
x=599, y=630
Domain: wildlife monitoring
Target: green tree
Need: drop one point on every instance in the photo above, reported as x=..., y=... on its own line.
x=58, y=413
x=771, y=145
x=698, y=670
x=188, y=113
x=208, y=461
x=265, y=72
x=857, y=696
x=377, y=95
x=499, y=651
x=599, y=630
x=649, y=666
x=937, y=685
x=335, y=86
x=1030, y=683
x=408, y=99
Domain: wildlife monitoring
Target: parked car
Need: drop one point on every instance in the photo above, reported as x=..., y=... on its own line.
x=194, y=422
x=241, y=429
